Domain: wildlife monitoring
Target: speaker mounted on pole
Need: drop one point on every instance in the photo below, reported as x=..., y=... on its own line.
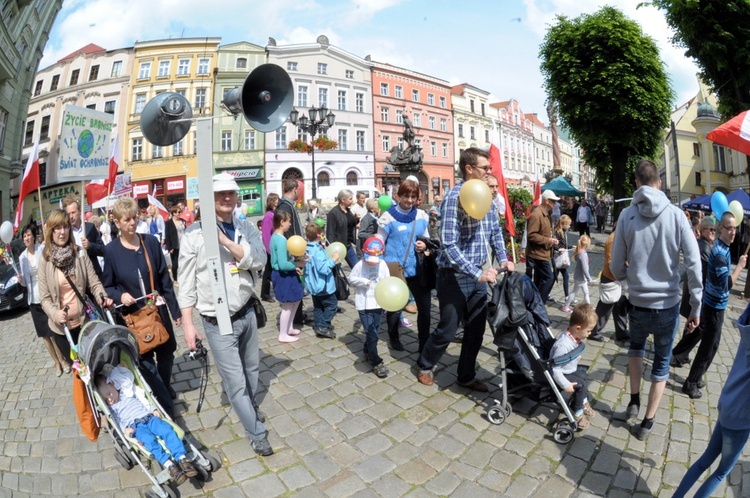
x=166, y=119
x=265, y=99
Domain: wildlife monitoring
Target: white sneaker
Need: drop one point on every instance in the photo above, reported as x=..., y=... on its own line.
x=404, y=322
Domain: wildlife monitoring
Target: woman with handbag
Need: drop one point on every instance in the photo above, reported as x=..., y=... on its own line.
x=65, y=274
x=399, y=228
x=28, y=267
x=561, y=258
x=134, y=267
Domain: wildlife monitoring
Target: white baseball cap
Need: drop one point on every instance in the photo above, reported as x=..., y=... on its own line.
x=548, y=194
x=224, y=182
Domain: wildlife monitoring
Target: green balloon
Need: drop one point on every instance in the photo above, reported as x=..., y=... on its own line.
x=320, y=222
x=384, y=202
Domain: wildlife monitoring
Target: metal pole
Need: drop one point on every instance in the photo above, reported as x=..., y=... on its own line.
x=677, y=165
x=314, y=178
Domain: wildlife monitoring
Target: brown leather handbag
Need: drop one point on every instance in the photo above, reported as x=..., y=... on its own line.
x=146, y=323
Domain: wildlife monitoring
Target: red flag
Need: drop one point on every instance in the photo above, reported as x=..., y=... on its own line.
x=537, y=192
x=29, y=183
x=497, y=170
x=159, y=206
x=114, y=165
x=98, y=189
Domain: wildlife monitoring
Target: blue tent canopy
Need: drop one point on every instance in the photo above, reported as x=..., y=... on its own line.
x=561, y=186
x=703, y=203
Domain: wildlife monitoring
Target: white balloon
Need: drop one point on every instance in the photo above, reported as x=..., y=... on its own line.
x=6, y=232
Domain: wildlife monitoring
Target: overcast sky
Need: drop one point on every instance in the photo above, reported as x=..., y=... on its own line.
x=491, y=44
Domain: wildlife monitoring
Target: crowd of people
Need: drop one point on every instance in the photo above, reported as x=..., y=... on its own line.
x=648, y=249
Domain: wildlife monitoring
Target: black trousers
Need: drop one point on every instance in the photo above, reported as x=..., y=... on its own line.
x=619, y=311
x=265, y=285
x=712, y=320
x=423, y=300
x=583, y=228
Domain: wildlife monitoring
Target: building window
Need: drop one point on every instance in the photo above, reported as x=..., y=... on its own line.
x=445, y=149
x=696, y=149
x=322, y=97
x=74, y=77
x=3, y=127
x=359, y=102
x=44, y=131
x=481, y=106
x=38, y=87
x=109, y=107
x=226, y=141
x=55, y=82
x=442, y=102
x=91, y=106
x=697, y=179
x=472, y=136
x=460, y=130
x=415, y=95
x=140, y=102
x=163, y=69
x=322, y=68
x=200, y=98
x=432, y=122
x=203, y=66
x=399, y=116
x=94, y=73
x=137, y=149
x=360, y=141
x=486, y=134
x=720, y=158
x=301, y=96
x=351, y=178
x=384, y=89
x=157, y=152
x=418, y=142
x=144, y=71
x=324, y=179
x=384, y=111
x=183, y=67
x=400, y=143
x=249, y=140
x=281, y=138
x=241, y=63
x=29, y=136
x=343, y=140
x=349, y=74
x=471, y=106
x=116, y=69
x=386, y=143
x=443, y=124
x=431, y=99
x=179, y=148
x=433, y=148
x=417, y=120
x=291, y=66
x=399, y=90
x=301, y=135
x=181, y=91
x=342, y=100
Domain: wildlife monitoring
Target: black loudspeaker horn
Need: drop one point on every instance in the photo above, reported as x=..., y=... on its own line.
x=265, y=99
x=166, y=119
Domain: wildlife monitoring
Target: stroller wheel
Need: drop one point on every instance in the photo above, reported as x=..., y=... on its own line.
x=496, y=415
x=213, y=460
x=508, y=409
x=169, y=490
x=564, y=432
x=124, y=460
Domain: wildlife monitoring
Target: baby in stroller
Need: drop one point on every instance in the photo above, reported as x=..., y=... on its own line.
x=137, y=418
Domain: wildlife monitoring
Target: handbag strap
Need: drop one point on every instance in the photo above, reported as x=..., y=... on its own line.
x=75, y=289
x=413, y=230
x=148, y=262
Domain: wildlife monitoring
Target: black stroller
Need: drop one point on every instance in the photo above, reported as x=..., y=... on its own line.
x=103, y=346
x=520, y=327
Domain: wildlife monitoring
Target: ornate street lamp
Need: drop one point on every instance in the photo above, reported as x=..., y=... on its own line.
x=318, y=122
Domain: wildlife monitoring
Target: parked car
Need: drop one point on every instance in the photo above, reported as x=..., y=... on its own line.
x=12, y=293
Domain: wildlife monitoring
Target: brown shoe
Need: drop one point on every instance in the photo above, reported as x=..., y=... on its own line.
x=588, y=411
x=187, y=468
x=582, y=422
x=476, y=385
x=176, y=474
x=425, y=377
x=411, y=308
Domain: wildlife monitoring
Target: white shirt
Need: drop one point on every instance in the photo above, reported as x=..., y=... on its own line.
x=358, y=211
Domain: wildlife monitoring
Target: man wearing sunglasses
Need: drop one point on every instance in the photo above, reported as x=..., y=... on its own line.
x=719, y=280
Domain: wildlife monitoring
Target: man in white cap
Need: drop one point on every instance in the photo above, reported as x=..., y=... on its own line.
x=539, y=242
x=236, y=353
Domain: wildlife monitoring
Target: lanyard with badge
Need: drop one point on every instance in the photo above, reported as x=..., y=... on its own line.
x=233, y=268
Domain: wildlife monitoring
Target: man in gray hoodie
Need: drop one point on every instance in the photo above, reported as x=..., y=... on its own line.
x=651, y=234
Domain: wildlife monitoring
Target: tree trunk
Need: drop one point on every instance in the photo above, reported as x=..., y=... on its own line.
x=618, y=155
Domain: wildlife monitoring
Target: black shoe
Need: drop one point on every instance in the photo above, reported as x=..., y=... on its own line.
x=339, y=310
x=678, y=361
x=691, y=390
x=597, y=337
x=172, y=393
x=260, y=415
x=268, y=299
x=262, y=447
x=396, y=345
x=325, y=333
x=459, y=337
x=700, y=384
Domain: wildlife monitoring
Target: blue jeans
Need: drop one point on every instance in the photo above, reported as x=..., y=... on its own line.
x=663, y=324
x=325, y=306
x=460, y=295
x=237, y=359
x=370, y=320
x=148, y=432
x=351, y=256
x=725, y=442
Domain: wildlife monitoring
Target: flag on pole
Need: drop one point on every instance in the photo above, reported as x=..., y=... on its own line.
x=99, y=189
x=497, y=170
x=162, y=210
x=29, y=183
x=114, y=163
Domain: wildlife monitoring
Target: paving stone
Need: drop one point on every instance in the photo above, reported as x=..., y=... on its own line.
x=373, y=467
x=296, y=477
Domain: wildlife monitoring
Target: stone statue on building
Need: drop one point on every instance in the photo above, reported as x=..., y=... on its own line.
x=409, y=160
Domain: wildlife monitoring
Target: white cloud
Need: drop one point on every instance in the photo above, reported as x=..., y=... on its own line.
x=360, y=11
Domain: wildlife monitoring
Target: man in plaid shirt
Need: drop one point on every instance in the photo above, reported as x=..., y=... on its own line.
x=461, y=285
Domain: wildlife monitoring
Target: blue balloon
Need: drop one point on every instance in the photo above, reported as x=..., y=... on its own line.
x=242, y=217
x=719, y=204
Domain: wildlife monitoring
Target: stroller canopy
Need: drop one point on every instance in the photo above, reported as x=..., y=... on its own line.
x=101, y=343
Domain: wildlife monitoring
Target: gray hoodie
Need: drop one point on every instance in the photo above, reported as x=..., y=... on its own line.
x=650, y=234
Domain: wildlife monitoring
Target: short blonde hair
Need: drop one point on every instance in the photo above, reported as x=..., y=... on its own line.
x=372, y=204
x=124, y=206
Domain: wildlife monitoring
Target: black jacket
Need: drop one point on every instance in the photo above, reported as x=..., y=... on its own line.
x=368, y=226
x=340, y=226
x=171, y=238
x=96, y=246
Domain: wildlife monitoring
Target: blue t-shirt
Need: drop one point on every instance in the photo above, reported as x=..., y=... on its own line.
x=716, y=288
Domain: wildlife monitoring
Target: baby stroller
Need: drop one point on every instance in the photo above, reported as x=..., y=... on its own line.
x=101, y=347
x=520, y=327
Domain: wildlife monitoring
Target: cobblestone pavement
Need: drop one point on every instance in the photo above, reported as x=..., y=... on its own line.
x=340, y=431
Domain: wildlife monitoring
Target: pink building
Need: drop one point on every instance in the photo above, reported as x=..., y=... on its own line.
x=427, y=102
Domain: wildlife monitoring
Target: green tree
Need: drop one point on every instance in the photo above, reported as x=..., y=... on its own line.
x=611, y=89
x=717, y=36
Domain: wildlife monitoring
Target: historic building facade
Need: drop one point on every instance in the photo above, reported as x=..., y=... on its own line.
x=542, y=144
x=517, y=139
x=426, y=101
x=24, y=30
x=472, y=120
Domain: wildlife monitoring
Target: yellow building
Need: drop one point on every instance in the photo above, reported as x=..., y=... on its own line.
x=186, y=66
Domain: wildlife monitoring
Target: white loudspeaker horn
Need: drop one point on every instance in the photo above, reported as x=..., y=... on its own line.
x=166, y=119
x=265, y=99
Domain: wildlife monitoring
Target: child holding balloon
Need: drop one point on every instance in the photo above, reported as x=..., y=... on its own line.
x=364, y=277
x=320, y=283
x=285, y=275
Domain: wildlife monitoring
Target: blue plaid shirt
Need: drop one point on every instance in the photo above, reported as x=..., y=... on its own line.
x=464, y=239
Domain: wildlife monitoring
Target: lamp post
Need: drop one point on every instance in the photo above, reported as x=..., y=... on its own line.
x=318, y=122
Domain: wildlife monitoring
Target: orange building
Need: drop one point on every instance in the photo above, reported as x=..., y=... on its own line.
x=427, y=102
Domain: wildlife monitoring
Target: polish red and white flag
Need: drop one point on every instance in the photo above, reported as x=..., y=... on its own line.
x=29, y=183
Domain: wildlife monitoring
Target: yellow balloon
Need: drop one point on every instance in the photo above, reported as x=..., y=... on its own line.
x=391, y=294
x=476, y=198
x=336, y=247
x=296, y=245
x=735, y=207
